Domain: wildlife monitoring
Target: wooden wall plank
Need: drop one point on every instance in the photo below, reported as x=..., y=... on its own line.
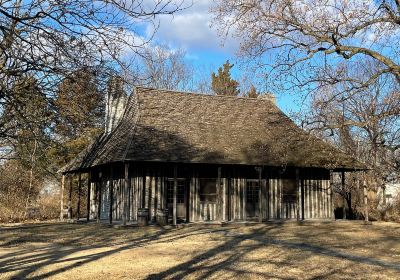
x=244, y=183
x=88, y=197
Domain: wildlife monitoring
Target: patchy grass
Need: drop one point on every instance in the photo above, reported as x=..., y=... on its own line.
x=337, y=250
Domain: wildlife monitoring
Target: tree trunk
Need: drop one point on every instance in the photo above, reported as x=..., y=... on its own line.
x=365, y=200
x=30, y=178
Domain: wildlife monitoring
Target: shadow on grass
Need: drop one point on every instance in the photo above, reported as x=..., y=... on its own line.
x=233, y=247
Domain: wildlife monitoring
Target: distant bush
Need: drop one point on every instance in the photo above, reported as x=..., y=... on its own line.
x=393, y=210
x=21, y=199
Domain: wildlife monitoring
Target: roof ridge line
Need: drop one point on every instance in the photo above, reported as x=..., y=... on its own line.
x=205, y=94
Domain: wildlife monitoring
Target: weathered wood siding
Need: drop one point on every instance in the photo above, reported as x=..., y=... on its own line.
x=147, y=188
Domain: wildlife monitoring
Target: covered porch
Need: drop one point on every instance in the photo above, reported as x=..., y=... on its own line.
x=165, y=193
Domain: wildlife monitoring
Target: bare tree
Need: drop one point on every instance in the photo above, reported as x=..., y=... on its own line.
x=300, y=43
x=50, y=39
x=167, y=69
x=365, y=123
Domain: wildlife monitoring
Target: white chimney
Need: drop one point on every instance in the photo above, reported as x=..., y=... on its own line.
x=115, y=103
x=269, y=96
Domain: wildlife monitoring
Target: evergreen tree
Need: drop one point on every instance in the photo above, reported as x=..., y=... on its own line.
x=252, y=93
x=222, y=83
x=79, y=104
x=80, y=115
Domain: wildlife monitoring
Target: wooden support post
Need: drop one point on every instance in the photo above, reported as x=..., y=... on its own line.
x=100, y=186
x=344, y=195
x=88, y=198
x=62, y=198
x=365, y=199
x=302, y=199
x=260, y=196
x=70, y=197
x=219, y=195
x=174, y=195
x=244, y=197
x=110, y=217
x=125, y=202
x=332, y=211
x=78, y=208
x=187, y=202
x=298, y=186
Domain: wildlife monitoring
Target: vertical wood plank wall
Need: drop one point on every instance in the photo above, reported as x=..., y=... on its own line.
x=147, y=188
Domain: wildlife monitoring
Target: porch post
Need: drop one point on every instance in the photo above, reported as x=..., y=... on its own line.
x=62, y=198
x=88, y=198
x=100, y=185
x=70, y=197
x=111, y=194
x=344, y=195
x=219, y=195
x=125, y=191
x=78, y=209
x=298, y=186
x=332, y=211
x=302, y=199
x=260, y=200
x=174, y=195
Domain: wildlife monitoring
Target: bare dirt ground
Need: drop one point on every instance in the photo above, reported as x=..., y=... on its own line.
x=337, y=250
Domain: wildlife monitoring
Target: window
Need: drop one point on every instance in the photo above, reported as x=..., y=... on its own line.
x=289, y=190
x=180, y=192
x=208, y=190
x=252, y=191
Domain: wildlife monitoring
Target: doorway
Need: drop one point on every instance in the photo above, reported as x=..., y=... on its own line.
x=181, y=199
x=252, y=199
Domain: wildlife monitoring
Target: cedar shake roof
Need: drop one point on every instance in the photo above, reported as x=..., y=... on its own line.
x=168, y=126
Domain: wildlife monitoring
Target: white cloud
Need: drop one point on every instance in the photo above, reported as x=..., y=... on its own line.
x=191, y=30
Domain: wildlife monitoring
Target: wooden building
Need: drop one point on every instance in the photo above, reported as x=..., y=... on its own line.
x=183, y=157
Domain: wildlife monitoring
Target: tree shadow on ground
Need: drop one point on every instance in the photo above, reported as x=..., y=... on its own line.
x=231, y=257
x=232, y=253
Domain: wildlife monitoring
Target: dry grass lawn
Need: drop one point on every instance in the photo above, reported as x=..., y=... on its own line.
x=337, y=250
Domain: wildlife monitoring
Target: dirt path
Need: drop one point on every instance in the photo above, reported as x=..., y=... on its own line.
x=339, y=250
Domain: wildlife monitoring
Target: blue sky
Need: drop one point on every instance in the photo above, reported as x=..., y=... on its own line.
x=190, y=29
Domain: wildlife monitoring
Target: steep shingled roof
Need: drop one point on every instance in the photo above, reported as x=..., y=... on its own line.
x=195, y=128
